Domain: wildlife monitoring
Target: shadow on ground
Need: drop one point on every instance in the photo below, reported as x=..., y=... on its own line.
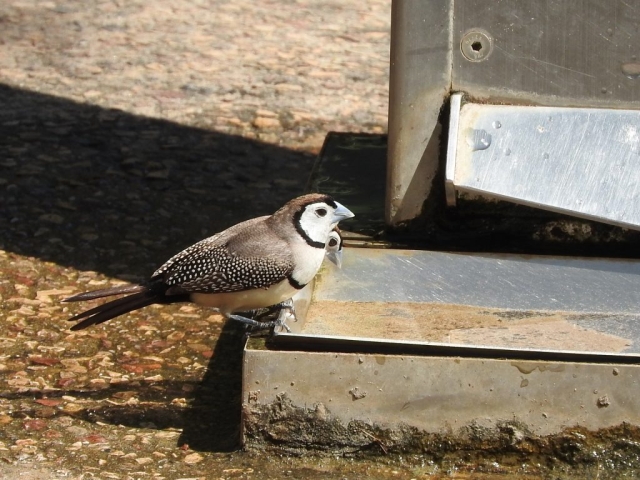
x=211, y=422
x=97, y=189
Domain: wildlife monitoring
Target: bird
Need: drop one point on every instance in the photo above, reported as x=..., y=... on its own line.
x=254, y=264
x=334, y=247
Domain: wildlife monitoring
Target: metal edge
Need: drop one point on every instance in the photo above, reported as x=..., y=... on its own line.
x=452, y=149
x=243, y=387
x=420, y=76
x=550, y=208
x=296, y=341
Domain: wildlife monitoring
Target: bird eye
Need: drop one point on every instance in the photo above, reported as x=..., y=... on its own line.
x=321, y=212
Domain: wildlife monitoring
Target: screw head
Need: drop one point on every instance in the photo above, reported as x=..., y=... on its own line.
x=476, y=45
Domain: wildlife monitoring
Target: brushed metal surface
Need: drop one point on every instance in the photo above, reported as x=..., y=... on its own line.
x=419, y=82
x=583, y=162
x=482, y=304
x=551, y=52
x=547, y=52
x=525, y=282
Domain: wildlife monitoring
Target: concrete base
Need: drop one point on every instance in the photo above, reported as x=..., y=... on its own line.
x=430, y=395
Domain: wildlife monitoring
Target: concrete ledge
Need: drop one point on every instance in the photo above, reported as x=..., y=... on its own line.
x=342, y=402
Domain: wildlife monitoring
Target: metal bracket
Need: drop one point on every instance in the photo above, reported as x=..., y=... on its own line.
x=583, y=162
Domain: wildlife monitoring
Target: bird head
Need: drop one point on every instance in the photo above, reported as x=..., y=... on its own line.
x=314, y=216
x=334, y=247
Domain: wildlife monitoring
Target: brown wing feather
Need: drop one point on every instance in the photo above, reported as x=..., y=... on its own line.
x=246, y=256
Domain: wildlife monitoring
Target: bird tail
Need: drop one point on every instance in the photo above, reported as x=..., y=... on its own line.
x=112, y=309
x=105, y=292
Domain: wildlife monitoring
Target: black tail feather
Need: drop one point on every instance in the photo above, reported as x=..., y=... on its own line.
x=106, y=292
x=112, y=309
x=110, y=305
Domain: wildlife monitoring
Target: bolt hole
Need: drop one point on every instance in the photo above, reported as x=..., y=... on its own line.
x=476, y=46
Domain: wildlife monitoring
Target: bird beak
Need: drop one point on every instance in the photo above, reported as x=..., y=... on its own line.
x=341, y=213
x=335, y=258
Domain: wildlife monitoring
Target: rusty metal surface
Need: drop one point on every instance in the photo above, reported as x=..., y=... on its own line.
x=511, y=302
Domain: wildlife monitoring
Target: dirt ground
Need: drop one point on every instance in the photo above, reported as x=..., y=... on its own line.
x=128, y=131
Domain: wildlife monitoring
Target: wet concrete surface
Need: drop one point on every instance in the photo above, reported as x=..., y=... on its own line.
x=509, y=451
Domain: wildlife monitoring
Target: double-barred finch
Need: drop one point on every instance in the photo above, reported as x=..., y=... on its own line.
x=334, y=247
x=255, y=264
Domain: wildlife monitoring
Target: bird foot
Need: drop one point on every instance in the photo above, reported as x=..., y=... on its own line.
x=269, y=311
x=288, y=305
x=279, y=321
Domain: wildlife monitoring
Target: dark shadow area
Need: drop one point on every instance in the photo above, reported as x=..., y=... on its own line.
x=210, y=420
x=159, y=405
x=98, y=189
x=212, y=423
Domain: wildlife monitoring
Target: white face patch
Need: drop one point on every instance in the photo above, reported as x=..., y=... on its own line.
x=316, y=222
x=334, y=244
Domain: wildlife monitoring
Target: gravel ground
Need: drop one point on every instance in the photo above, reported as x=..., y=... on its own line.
x=129, y=131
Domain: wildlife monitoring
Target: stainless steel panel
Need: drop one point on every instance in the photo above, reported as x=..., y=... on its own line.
x=549, y=52
x=524, y=282
x=483, y=303
x=419, y=83
x=583, y=162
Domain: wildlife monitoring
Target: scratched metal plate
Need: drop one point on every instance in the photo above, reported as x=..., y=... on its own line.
x=491, y=301
x=583, y=162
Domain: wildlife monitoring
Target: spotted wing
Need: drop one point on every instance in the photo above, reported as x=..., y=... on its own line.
x=210, y=268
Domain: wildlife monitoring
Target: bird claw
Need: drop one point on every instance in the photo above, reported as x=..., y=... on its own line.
x=288, y=305
x=280, y=320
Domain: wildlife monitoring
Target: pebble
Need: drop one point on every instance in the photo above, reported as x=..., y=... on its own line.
x=266, y=123
x=52, y=218
x=175, y=337
x=193, y=458
x=266, y=113
x=198, y=347
x=78, y=431
x=92, y=94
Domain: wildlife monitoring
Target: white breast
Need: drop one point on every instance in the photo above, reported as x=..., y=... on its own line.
x=307, y=261
x=246, y=300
